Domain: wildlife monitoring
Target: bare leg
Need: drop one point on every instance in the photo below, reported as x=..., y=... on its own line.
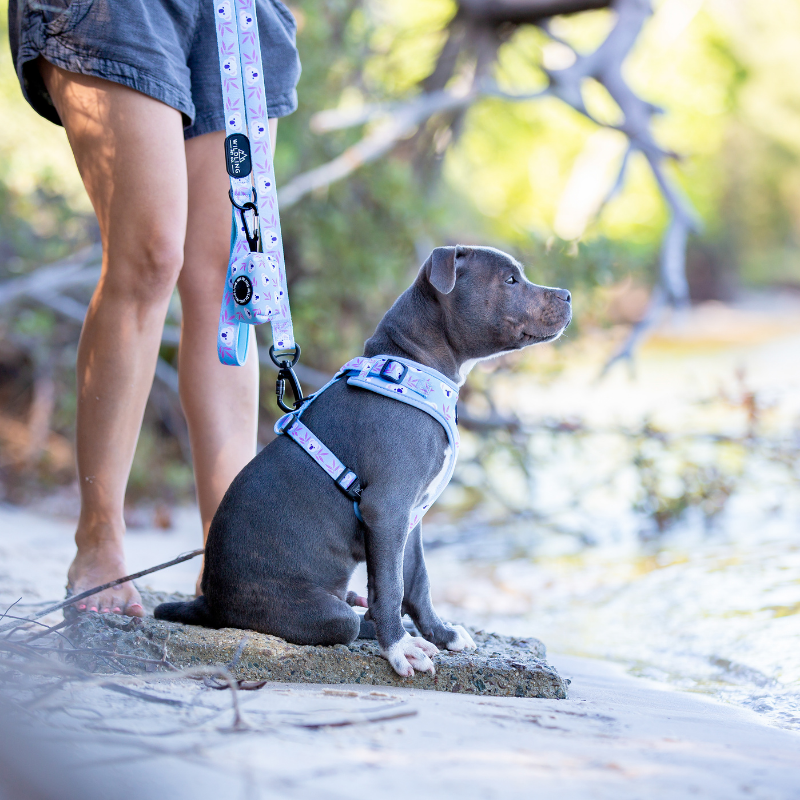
x=220, y=402
x=130, y=152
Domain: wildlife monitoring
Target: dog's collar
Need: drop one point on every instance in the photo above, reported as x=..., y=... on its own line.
x=401, y=379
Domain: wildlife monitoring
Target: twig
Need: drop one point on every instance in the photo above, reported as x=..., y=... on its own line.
x=382, y=714
x=89, y=592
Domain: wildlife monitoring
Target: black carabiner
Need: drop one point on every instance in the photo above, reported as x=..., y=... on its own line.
x=252, y=240
x=286, y=372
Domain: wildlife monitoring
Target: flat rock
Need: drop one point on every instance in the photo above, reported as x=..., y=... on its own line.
x=501, y=666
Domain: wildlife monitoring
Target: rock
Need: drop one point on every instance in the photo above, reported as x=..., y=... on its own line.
x=501, y=666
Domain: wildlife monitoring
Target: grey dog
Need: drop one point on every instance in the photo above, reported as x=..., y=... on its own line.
x=284, y=542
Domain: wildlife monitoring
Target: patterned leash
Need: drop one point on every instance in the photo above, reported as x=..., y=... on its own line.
x=255, y=284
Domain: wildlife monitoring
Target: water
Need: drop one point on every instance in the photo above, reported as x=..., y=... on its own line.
x=719, y=616
x=686, y=568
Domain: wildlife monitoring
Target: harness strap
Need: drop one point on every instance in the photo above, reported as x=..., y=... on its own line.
x=398, y=378
x=345, y=479
x=255, y=285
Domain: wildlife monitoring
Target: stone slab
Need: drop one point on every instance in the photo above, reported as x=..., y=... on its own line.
x=501, y=666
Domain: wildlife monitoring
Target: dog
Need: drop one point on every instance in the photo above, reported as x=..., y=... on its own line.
x=284, y=542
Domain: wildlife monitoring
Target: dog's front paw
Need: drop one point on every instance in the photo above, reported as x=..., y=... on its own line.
x=411, y=653
x=462, y=640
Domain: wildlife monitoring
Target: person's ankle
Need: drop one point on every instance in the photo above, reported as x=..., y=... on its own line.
x=99, y=535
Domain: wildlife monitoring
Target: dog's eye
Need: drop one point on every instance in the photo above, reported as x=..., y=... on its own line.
x=511, y=279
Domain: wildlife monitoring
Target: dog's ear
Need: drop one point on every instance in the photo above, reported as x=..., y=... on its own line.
x=440, y=268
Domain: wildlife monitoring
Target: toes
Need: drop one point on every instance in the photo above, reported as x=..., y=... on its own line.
x=409, y=654
x=420, y=661
x=428, y=648
x=135, y=610
x=400, y=663
x=462, y=641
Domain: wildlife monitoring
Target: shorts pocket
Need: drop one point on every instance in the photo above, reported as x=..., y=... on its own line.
x=68, y=19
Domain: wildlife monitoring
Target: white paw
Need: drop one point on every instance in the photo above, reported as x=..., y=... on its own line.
x=463, y=640
x=411, y=653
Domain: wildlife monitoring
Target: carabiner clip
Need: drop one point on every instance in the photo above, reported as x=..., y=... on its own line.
x=286, y=372
x=252, y=240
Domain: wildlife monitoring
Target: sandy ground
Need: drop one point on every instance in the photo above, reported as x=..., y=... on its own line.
x=616, y=737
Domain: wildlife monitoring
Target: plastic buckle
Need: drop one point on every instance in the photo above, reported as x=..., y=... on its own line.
x=389, y=371
x=284, y=423
x=349, y=484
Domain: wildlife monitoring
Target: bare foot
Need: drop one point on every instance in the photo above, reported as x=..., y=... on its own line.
x=97, y=563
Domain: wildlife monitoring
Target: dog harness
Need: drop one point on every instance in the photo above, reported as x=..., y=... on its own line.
x=255, y=284
x=399, y=378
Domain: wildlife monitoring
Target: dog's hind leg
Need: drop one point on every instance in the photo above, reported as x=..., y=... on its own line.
x=314, y=616
x=417, y=601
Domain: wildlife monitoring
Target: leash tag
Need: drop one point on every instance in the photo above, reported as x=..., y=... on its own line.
x=237, y=155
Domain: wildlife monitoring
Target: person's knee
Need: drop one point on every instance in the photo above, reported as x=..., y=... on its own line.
x=147, y=275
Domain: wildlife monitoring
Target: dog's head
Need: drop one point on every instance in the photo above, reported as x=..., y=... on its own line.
x=490, y=306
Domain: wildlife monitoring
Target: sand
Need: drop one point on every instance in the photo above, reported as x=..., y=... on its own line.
x=615, y=737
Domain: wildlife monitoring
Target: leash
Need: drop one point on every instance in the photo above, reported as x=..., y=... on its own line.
x=401, y=379
x=255, y=284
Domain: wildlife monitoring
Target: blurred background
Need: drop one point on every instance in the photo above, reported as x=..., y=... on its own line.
x=631, y=492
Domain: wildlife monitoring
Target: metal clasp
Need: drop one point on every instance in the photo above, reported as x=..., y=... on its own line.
x=286, y=372
x=252, y=239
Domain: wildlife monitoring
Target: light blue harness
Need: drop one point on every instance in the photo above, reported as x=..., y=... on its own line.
x=398, y=378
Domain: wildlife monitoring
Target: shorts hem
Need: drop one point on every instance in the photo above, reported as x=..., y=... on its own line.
x=106, y=69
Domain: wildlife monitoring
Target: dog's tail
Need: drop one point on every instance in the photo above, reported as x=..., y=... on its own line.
x=190, y=612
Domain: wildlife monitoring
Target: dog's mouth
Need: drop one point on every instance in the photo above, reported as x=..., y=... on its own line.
x=526, y=338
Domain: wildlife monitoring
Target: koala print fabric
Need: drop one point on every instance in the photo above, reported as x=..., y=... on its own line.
x=166, y=49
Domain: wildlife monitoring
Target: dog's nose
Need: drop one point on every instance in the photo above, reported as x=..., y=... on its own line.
x=563, y=294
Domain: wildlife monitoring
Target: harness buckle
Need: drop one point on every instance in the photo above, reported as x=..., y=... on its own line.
x=286, y=372
x=284, y=423
x=393, y=371
x=349, y=484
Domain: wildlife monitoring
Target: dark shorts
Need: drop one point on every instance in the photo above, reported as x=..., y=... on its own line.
x=166, y=49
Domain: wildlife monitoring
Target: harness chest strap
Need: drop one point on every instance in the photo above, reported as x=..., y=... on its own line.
x=398, y=378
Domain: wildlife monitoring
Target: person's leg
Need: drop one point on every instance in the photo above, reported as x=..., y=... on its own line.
x=220, y=402
x=130, y=153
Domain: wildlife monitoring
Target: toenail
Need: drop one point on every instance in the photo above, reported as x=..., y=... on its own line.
x=105, y=610
x=117, y=609
x=82, y=607
x=93, y=608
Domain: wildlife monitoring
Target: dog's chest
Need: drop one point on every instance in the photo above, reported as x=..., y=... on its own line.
x=436, y=486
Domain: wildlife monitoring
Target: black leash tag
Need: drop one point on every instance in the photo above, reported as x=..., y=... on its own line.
x=237, y=155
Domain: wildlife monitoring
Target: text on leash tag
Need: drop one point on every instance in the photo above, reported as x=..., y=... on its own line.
x=242, y=290
x=237, y=155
